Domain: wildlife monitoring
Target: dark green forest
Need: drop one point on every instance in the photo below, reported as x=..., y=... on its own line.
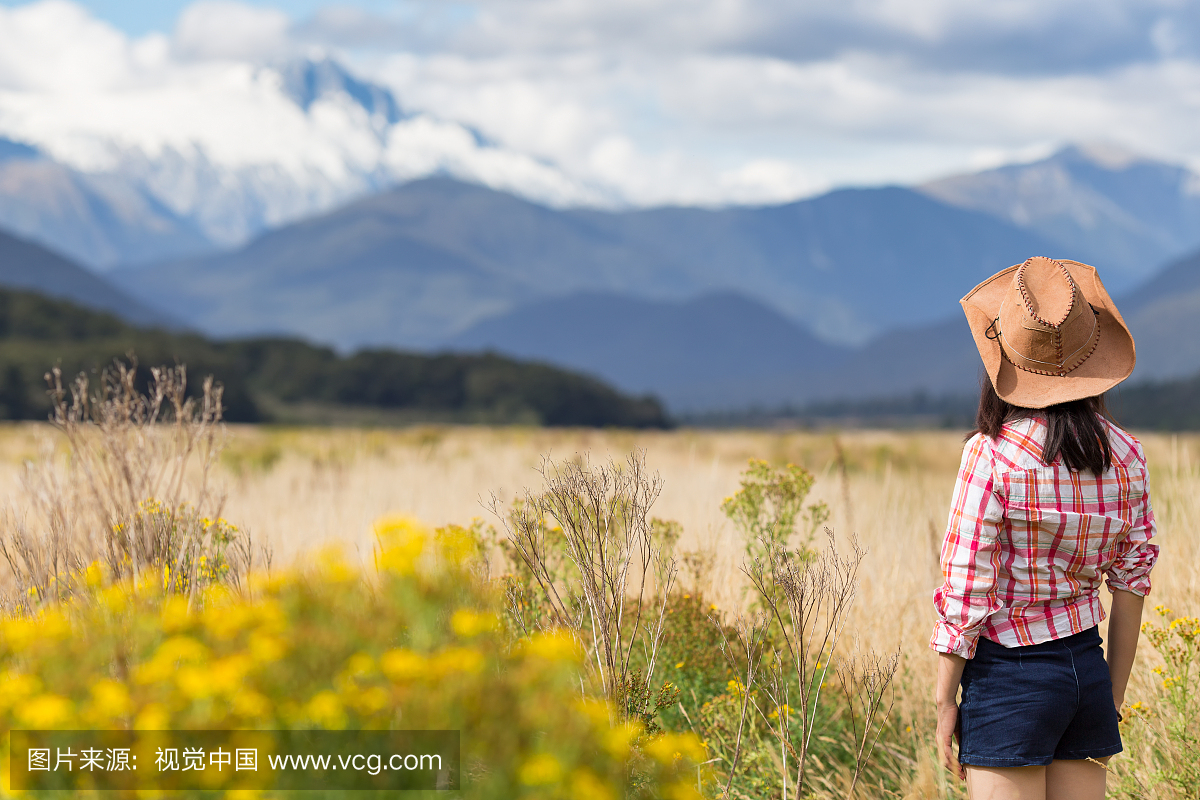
x=289, y=381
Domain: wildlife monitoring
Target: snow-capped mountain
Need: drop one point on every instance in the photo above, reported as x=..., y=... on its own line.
x=219, y=151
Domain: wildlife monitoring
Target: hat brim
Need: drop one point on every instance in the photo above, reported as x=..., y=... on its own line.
x=1111, y=362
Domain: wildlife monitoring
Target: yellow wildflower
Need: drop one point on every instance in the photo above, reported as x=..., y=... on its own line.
x=400, y=665
x=45, y=711
x=326, y=710
x=467, y=623
x=670, y=747
x=586, y=786
x=553, y=647
x=401, y=542
x=619, y=740
x=540, y=770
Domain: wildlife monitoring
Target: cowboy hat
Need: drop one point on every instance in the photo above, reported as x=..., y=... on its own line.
x=1049, y=333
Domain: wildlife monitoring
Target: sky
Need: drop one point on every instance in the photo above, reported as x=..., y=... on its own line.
x=699, y=101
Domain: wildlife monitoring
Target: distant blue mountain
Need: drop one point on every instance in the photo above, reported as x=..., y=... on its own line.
x=720, y=350
x=31, y=267
x=10, y=150
x=97, y=220
x=1122, y=213
x=725, y=352
x=417, y=265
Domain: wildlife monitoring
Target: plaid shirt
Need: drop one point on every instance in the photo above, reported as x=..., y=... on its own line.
x=1027, y=544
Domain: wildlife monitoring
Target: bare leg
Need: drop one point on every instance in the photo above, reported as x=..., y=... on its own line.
x=1006, y=783
x=1076, y=780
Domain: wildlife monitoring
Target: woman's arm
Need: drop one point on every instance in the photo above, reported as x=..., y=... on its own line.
x=1124, y=625
x=950, y=670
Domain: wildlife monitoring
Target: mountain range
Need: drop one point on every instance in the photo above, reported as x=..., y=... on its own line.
x=29, y=266
x=414, y=266
x=238, y=150
x=1124, y=214
x=385, y=228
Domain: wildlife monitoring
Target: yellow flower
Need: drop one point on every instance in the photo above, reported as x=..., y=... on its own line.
x=619, y=740
x=585, y=785
x=682, y=790
x=226, y=621
x=110, y=700
x=175, y=614
x=369, y=701
x=194, y=682
x=360, y=664
x=154, y=717
x=540, y=770
x=456, y=543
x=227, y=674
x=18, y=634
x=553, y=647
x=597, y=711
x=401, y=542
x=326, y=710
x=456, y=659
x=403, y=665
x=45, y=711
x=467, y=623
x=250, y=704
x=115, y=598
x=334, y=566
x=784, y=709
x=670, y=747
x=265, y=648
x=174, y=651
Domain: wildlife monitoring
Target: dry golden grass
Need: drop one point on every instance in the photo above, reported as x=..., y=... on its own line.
x=299, y=489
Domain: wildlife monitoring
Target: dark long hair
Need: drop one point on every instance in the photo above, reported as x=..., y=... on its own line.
x=1074, y=430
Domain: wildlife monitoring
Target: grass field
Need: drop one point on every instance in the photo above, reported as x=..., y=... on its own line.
x=300, y=489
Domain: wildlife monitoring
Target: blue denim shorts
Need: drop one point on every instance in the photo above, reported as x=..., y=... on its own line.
x=1027, y=706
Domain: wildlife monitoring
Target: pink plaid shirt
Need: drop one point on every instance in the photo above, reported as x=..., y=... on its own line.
x=1027, y=544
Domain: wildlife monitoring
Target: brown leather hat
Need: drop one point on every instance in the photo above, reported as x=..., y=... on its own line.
x=1049, y=333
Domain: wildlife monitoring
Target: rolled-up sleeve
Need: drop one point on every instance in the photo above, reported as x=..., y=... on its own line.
x=970, y=554
x=1130, y=571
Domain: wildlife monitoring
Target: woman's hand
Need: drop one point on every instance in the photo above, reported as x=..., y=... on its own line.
x=949, y=728
x=947, y=732
x=1124, y=624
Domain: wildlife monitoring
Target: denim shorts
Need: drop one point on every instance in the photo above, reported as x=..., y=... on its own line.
x=1027, y=706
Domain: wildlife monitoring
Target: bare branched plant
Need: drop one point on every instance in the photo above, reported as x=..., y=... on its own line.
x=808, y=598
x=867, y=683
x=743, y=653
x=591, y=548
x=135, y=493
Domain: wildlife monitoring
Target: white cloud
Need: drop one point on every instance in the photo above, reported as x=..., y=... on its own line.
x=55, y=43
x=224, y=29
x=625, y=101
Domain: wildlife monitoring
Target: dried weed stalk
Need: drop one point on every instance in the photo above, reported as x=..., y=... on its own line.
x=744, y=656
x=809, y=597
x=135, y=493
x=591, y=548
x=867, y=682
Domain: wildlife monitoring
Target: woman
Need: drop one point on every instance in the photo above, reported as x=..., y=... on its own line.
x=1051, y=499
